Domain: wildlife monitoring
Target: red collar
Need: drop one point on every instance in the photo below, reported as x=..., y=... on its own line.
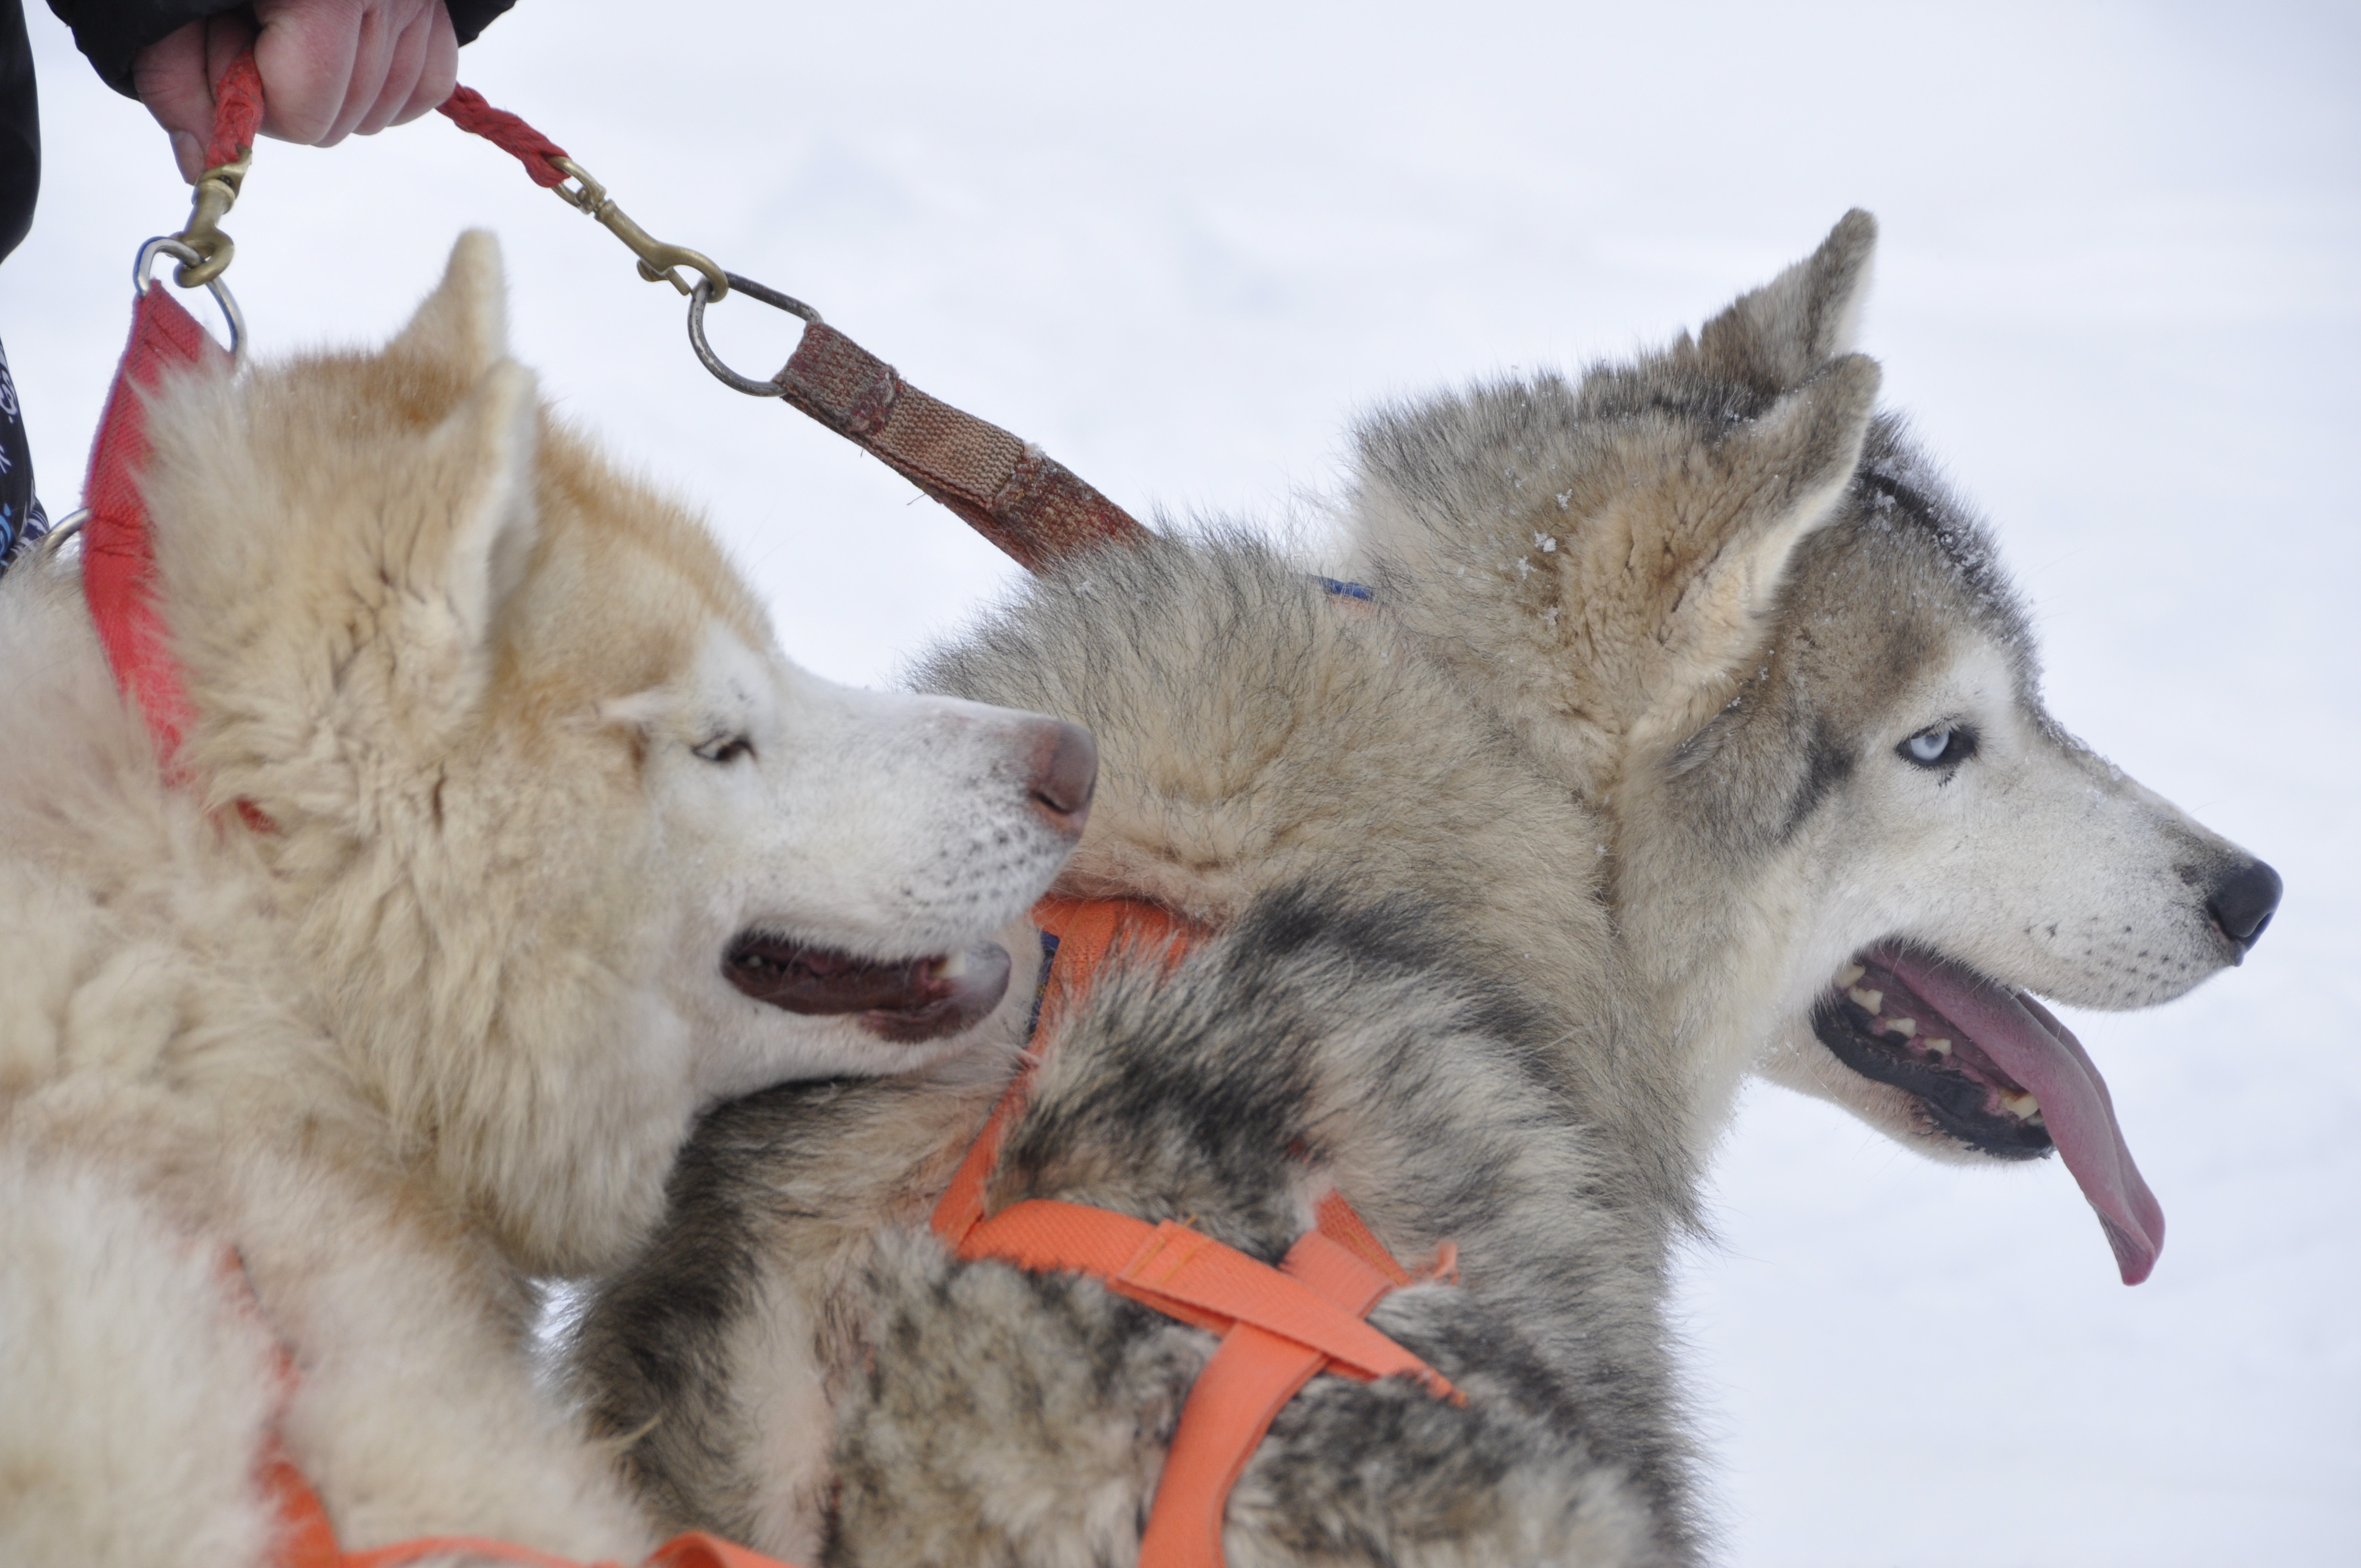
x=118, y=551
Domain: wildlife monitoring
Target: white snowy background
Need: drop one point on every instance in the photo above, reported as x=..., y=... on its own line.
x=2120, y=290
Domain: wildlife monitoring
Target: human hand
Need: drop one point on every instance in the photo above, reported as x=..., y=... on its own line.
x=330, y=68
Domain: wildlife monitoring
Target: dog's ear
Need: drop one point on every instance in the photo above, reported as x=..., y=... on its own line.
x=1610, y=620
x=1776, y=337
x=1721, y=530
x=463, y=325
x=471, y=553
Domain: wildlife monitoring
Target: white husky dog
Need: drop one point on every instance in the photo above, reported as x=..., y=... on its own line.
x=502, y=841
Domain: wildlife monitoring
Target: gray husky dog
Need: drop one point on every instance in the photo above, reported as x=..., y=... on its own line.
x=1850, y=840
x=1690, y=732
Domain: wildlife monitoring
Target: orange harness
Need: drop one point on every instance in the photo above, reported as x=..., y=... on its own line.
x=307, y=1538
x=1279, y=1326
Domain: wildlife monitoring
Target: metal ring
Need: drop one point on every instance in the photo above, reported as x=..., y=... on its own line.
x=703, y=292
x=143, y=279
x=49, y=543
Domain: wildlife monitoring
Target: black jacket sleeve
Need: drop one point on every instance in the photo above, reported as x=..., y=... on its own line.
x=20, y=128
x=113, y=32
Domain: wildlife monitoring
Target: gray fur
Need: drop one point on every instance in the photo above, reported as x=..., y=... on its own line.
x=1441, y=1025
x=1002, y=1416
x=1543, y=539
x=1513, y=878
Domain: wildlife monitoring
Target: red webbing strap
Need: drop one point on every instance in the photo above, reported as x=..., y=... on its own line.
x=308, y=1541
x=1012, y=492
x=118, y=571
x=469, y=112
x=238, y=112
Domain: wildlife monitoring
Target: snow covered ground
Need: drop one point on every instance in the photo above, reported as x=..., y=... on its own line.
x=2120, y=288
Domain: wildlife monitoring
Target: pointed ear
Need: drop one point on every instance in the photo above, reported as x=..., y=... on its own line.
x=464, y=561
x=463, y=325
x=1778, y=334
x=1766, y=487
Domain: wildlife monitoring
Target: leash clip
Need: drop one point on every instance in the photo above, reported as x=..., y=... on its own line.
x=215, y=194
x=659, y=263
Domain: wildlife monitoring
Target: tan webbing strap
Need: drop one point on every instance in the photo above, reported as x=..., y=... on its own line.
x=1012, y=492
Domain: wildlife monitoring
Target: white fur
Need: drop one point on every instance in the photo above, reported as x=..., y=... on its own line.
x=444, y=1026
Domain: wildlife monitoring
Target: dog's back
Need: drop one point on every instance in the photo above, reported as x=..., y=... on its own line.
x=1018, y=1417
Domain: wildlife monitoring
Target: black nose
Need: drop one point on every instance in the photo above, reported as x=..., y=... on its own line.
x=2242, y=902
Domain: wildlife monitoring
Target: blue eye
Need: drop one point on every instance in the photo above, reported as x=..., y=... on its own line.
x=1940, y=746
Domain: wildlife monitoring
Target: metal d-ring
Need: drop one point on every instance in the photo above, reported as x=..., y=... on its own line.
x=56, y=537
x=722, y=373
x=143, y=279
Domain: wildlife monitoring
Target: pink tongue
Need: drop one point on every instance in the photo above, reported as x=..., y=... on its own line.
x=2033, y=1047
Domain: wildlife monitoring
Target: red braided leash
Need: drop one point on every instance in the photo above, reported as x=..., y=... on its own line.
x=467, y=110
x=237, y=112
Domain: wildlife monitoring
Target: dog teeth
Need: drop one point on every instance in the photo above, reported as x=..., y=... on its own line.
x=1849, y=973
x=1867, y=1000
x=950, y=968
x=2023, y=1107
x=1941, y=1046
x=1905, y=1027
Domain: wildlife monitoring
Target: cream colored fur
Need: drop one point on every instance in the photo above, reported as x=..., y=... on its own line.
x=531, y=763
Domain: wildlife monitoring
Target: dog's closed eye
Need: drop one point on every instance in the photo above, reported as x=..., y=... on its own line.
x=727, y=748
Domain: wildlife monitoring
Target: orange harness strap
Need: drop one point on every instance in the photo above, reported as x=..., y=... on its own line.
x=308, y=1540
x=1279, y=1327
x=1085, y=929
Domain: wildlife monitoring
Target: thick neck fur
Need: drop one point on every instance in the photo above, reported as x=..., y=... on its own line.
x=1255, y=731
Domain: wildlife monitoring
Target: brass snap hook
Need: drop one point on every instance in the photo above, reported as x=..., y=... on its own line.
x=215, y=194
x=659, y=263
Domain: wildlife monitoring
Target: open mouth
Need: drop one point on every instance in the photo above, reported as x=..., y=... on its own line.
x=905, y=999
x=1992, y=1068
